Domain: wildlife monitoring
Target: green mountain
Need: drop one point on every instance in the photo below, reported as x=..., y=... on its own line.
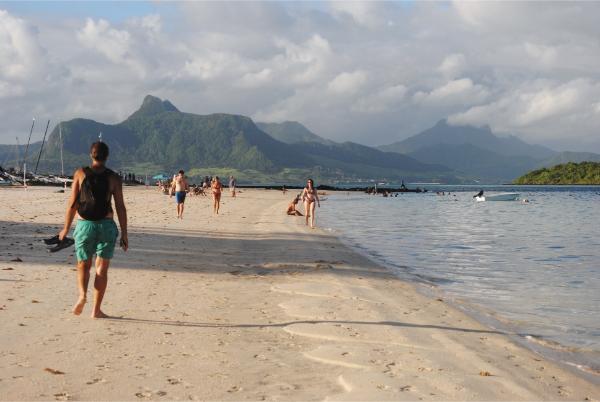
x=291, y=132
x=158, y=137
x=568, y=173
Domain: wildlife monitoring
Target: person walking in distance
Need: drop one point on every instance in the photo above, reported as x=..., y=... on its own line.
x=179, y=187
x=92, y=192
x=216, y=187
x=310, y=196
x=232, y=186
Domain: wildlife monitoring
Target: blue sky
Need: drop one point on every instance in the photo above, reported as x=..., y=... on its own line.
x=112, y=11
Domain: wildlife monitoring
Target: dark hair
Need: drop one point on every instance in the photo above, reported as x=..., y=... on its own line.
x=311, y=181
x=99, y=151
x=181, y=172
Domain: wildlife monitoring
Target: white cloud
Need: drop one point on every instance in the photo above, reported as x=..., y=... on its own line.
x=453, y=65
x=544, y=54
x=151, y=23
x=348, y=83
x=367, y=13
x=457, y=92
x=381, y=101
x=306, y=62
x=256, y=79
x=112, y=43
x=212, y=65
x=537, y=104
x=21, y=55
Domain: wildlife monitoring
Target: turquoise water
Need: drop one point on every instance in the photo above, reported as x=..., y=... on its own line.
x=532, y=268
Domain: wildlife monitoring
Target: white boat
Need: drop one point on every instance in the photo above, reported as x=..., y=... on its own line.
x=499, y=197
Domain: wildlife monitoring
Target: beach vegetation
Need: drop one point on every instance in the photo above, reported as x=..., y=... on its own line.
x=567, y=173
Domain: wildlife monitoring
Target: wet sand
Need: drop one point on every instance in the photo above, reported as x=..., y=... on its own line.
x=247, y=305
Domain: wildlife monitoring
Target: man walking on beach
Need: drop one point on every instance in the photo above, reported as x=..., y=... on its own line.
x=180, y=186
x=232, y=186
x=93, y=189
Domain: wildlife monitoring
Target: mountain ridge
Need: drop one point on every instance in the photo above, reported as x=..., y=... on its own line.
x=482, y=137
x=291, y=132
x=159, y=136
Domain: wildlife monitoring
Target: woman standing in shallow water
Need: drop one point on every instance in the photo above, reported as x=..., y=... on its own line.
x=309, y=196
x=216, y=187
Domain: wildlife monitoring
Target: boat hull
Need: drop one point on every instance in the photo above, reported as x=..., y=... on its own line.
x=499, y=197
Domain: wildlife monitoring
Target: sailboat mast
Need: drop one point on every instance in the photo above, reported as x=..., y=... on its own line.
x=28, y=140
x=17, y=160
x=41, y=148
x=25, y=155
x=62, y=164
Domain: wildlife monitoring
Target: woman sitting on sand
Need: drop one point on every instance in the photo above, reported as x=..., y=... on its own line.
x=309, y=196
x=292, y=207
x=216, y=187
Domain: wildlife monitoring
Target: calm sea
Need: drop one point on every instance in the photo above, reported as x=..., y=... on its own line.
x=529, y=268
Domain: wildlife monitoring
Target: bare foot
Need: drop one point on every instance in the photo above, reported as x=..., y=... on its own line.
x=78, y=307
x=99, y=314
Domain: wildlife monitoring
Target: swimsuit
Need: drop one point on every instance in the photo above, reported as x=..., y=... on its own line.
x=95, y=237
x=310, y=195
x=180, y=197
x=95, y=233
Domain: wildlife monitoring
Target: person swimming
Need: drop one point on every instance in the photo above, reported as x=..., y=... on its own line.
x=309, y=197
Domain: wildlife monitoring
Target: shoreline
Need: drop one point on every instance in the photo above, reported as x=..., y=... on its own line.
x=247, y=305
x=553, y=351
x=568, y=357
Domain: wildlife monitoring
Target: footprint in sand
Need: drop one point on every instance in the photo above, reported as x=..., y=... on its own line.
x=144, y=395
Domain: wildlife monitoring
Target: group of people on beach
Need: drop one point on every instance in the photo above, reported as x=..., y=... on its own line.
x=180, y=187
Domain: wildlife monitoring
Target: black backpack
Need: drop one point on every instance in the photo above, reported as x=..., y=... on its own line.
x=94, y=195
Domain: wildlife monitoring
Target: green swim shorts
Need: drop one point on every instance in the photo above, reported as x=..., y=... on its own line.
x=95, y=237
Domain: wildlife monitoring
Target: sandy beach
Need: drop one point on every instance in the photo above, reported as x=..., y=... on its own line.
x=247, y=305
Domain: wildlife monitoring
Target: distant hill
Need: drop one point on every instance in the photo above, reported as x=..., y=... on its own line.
x=159, y=137
x=476, y=162
x=474, y=152
x=568, y=173
x=443, y=133
x=8, y=155
x=478, y=153
x=291, y=132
